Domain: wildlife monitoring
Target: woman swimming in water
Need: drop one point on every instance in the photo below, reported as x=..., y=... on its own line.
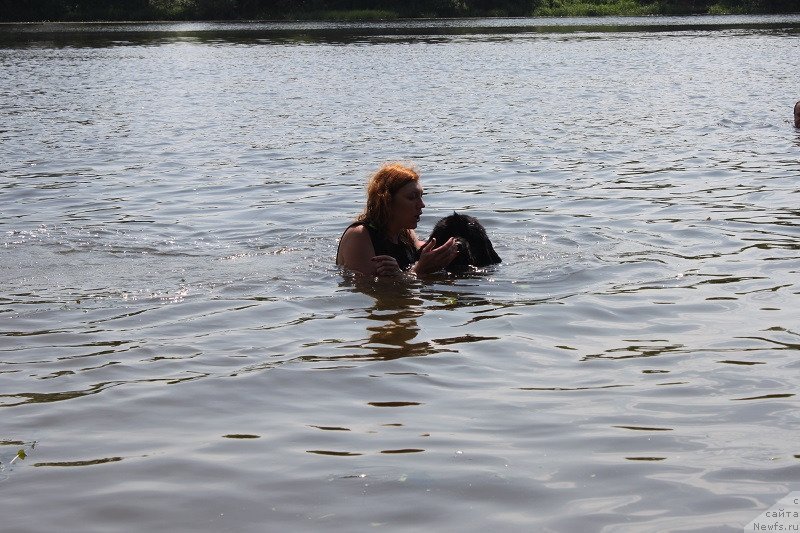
x=382, y=241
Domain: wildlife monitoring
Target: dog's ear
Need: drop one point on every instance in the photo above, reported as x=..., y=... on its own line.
x=488, y=254
x=482, y=249
x=482, y=252
x=492, y=254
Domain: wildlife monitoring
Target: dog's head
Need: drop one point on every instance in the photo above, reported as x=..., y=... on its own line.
x=474, y=246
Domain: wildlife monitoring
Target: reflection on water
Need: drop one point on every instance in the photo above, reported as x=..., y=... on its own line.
x=400, y=302
x=174, y=335
x=392, y=318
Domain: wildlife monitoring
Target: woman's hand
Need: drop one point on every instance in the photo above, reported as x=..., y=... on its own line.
x=386, y=265
x=432, y=259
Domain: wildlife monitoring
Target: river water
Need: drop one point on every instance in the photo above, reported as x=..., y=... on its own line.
x=179, y=353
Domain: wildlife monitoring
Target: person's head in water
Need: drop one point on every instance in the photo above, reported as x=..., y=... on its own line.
x=394, y=200
x=797, y=115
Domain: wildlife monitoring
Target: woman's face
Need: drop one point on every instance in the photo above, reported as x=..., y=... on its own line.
x=407, y=206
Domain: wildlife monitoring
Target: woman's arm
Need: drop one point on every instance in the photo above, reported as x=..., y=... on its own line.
x=356, y=251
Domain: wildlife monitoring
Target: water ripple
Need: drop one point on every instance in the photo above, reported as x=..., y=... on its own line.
x=171, y=199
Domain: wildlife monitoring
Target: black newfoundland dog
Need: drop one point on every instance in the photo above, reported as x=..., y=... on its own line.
x=474, y=247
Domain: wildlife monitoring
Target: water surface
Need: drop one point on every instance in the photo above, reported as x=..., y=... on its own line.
x=177, y=350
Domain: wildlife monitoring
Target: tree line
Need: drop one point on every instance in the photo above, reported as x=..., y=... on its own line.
x=110, y=10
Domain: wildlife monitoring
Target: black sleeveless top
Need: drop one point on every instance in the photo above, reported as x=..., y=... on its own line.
x=405, y=255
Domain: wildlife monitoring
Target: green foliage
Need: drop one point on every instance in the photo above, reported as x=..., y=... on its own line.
x=725, y=9
x=739, y=7
x=194, y=9
x=594, y=8
x=684, y=7
x=354, y=15
x=172, y=9
x=349, y=10
x=503, y=8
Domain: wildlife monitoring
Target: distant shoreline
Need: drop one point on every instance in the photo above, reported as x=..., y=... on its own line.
x=544, y=9
x=492, y=23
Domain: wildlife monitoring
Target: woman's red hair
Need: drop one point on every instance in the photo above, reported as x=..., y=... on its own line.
x=381, y=188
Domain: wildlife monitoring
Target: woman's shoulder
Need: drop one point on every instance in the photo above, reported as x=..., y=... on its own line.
x=355, y=248
x=356, y=234
x=356, y=228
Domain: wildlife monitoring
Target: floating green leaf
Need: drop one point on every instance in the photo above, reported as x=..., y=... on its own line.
x=20, y=455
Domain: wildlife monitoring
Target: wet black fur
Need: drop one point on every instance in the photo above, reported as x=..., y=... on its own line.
x=475, y=248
